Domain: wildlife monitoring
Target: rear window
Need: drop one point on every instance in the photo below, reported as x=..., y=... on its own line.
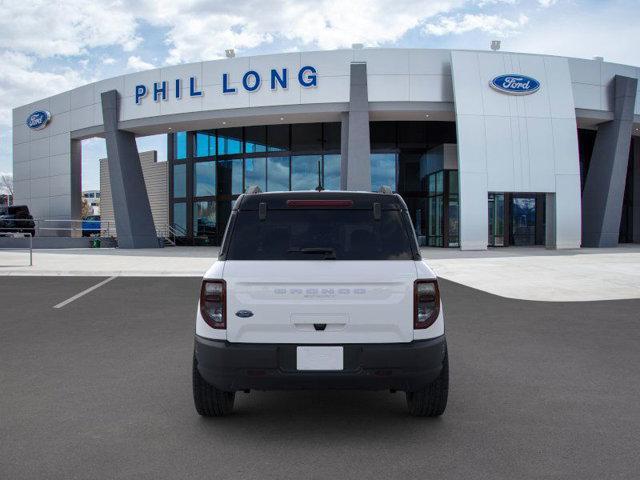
x=320, y=234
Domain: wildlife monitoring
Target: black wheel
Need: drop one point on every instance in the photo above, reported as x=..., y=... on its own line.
x=209, y=401
x=431, y=401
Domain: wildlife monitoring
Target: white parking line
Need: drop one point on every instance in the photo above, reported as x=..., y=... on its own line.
x=84, y=292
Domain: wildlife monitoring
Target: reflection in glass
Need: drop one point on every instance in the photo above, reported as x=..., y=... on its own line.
x=204, y=219
x=383, y=171
x=204, y=179
x=180, y=180
x=255, y=172
x=205, y=144
x=180, y=146
x=230, y=177
x=304, y=171
x=229, y=141
x=331, y=172
x=278, y=174
x=180, y=217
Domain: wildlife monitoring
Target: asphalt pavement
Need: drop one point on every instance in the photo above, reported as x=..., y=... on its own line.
x=101, y=388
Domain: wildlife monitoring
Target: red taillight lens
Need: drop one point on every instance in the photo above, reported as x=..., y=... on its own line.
x=426, y=303
x=213, y=303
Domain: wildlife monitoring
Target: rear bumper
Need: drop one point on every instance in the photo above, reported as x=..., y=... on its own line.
x=396, y=366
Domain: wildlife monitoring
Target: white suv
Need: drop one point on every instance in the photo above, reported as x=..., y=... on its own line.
x=320, y=290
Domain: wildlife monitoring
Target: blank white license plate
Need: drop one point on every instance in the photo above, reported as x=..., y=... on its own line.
x=320, y=358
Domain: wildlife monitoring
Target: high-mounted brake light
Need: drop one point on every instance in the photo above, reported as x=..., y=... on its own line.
x=319, y=203
x=426, y=303
x=213, y=300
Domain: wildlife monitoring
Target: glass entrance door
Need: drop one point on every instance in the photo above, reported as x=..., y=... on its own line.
x=496, y=220
x=523, y=220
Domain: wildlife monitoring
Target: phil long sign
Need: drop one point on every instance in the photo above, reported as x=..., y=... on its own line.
x=250, y=81
x=515, y=84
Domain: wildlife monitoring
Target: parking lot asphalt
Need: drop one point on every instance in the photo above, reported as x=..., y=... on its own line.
x=101, y=388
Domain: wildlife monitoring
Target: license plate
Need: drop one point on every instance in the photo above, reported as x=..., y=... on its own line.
x=320, y=358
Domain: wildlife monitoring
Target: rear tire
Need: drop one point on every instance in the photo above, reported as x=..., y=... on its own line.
x=431, y=401
x=209, y=401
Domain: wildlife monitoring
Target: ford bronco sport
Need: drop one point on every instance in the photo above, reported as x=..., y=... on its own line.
x=320, y=290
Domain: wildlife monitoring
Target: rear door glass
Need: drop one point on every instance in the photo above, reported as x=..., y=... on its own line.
x=320, y=234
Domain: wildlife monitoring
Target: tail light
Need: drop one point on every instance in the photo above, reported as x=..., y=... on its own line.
x=426, y=303
x=213, y=303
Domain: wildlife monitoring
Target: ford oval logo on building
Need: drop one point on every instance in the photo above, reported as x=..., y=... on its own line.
x=38, y=119
x=515, y=84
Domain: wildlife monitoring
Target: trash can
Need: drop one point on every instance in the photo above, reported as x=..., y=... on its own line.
x=95, y=243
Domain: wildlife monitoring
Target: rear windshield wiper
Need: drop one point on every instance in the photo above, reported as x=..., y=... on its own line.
x=329, y=253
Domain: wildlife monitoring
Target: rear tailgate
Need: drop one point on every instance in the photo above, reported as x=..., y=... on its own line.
x=320, y=302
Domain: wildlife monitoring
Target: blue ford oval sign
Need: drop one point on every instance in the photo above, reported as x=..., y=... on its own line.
x=515, y=84
x=38, y=119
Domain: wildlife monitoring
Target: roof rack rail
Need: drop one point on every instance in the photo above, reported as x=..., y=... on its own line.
x=385, y=190
x=253, y=189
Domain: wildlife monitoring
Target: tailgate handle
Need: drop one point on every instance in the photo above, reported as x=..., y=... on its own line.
x=319, y=326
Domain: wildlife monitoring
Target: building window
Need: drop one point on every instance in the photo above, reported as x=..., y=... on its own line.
x=204, y=179
x=220, y=164
x=180, y=146
x=180, y=217
x=255, y=172
x=306, y=137
x=304, y=171
x=278, y=138
x=204, y=219
x=383, y=170
x=205, y=144
x=230, y=177
x=229, y=141
x=278, y=174
x=331, y=172
x=255, y=139
x=435, y=209
x=180, y=180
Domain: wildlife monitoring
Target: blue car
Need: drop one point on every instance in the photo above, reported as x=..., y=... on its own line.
x=91, y=225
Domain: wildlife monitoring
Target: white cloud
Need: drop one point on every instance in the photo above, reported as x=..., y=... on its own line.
x=46, y=28
x=21, y=83
x=547, y=3
x=135, y=63
x=108, y=61
x=214, y=26
x=491, y=24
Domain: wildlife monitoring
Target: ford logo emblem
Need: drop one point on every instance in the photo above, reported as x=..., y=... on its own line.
x=38, y=119
x=244, y=313
x=515, y=84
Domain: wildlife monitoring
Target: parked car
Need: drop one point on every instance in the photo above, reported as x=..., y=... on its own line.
x=320, y=290
x=17, y=219
x=91, y=225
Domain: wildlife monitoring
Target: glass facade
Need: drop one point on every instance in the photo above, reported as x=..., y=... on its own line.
x=210, y=169
x=409, y=158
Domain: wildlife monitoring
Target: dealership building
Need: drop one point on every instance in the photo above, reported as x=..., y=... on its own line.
x=486, y=148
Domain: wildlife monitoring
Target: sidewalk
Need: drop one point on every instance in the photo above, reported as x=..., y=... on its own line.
x=522, y=273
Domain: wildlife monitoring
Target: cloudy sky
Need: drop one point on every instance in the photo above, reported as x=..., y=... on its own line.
x=47, y=47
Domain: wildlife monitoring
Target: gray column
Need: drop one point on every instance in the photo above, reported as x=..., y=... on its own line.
x=76, y=182
x=636, y=190
x=604, y=186
x=131, y=209
x=358, y=162
x=344, y=150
